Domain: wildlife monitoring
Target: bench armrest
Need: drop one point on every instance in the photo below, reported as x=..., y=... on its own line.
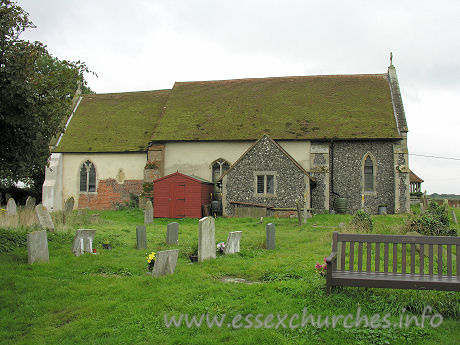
x=331, y=258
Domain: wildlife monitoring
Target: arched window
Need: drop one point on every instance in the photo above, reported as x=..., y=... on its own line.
x=219, y=167
x=368, y=175
x=87, y=177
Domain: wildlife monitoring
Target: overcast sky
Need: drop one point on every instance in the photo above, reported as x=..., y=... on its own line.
x=147, y=45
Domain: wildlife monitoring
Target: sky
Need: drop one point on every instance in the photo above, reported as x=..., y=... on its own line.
x=148, y=45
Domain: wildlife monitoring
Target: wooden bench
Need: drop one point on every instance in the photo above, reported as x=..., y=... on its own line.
x=394, y=261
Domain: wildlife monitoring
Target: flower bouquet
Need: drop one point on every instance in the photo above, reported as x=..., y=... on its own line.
x=151, y=261
x=321, y=269
x=221, y=247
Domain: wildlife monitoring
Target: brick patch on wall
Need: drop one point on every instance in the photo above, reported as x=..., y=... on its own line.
x=110, y=194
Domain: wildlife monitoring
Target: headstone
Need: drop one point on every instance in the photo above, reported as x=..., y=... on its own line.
x=44, y=217
x=206, y=239
x=422, y=208
x=172, y=233
x=148, y=213
x=299, y=215
x=11, y=209
x=30, y=202
x=454, y=218
x=270, y=239
x=141, y=237
x=69, y=204
x=233, y=242
x=83, y=241
x=165, y=262
x=37, y=247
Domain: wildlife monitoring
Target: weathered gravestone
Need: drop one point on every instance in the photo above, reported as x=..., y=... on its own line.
x=172, y=233
x=141, y=237
x=270, y=236
x=422, y=207
x=44, y=217
x=232, y=245
x=454, y=218
x=165, y=262
x=30, y=203
x=206, y=239
x=11, y=209
x=83, y=241
x=37, y=247
x=148, y=213
x=69, y=204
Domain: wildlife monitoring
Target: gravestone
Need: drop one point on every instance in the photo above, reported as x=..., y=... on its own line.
x=454, y=218
x=69, y=204
x=206, y=239
x=422, y=208
x=11, y=209
x=233, y=242
x=37, y=247
x=270, y=239
x=30, y=203
x=83, y=241
x=141, y=237
x=172, y=233
x=44, y=217
x=148, y=213
x=165, y=262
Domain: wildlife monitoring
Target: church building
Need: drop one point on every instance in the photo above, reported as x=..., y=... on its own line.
x=264, y=141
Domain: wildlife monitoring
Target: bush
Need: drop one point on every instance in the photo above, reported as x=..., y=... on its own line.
x=362, y=221
x=434, y=222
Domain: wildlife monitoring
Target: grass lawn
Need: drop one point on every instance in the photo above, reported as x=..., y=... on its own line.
x=109, y=299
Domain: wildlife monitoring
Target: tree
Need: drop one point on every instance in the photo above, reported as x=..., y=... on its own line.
x=36, y=92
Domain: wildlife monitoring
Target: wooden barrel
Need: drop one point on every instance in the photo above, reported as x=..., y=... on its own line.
x=341, y=205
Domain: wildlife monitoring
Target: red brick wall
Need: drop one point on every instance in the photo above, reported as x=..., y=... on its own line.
x=110, y=194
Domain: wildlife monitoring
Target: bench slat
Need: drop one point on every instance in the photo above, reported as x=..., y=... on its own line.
x=439, y=259
x=422, y=259
x=377, y=257
x=403, y=258
x=430, y=259
x=412, y=258
x=458, y=261
x=334, y=249
x=395, y=257
x=360, y=256
x=449, y=260
x=352, y=256
x=369, y=252
x=385, y=257
x=342, y=256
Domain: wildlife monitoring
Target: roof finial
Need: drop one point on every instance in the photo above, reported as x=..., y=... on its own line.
x=391, y=59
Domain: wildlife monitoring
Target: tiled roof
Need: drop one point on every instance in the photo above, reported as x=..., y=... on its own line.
x=115, y=122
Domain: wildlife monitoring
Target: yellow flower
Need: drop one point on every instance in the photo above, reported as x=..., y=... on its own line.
x=151, y=257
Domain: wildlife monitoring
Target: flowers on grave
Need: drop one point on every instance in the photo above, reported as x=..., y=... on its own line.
x=151, y=261
x=2, y=210
x=321, y=269
x=221, y=247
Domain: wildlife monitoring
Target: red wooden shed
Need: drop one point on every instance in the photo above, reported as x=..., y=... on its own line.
x=178, y=196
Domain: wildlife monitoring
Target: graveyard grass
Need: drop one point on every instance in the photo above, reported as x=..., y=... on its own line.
x=109, y=299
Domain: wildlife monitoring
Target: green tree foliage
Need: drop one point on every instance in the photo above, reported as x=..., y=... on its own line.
x=36, y=92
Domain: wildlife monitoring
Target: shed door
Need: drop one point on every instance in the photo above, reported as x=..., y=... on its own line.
x=177, y=209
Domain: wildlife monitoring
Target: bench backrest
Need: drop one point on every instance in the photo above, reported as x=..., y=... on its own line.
x=392, y=253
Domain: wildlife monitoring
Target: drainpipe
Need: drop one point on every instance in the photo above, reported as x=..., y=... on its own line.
x=332, y=173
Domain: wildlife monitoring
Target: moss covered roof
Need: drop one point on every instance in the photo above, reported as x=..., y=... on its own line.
x=114, y=122
x=308, y=107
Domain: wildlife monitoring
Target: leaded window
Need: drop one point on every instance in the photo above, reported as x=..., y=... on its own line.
x=87, y=177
